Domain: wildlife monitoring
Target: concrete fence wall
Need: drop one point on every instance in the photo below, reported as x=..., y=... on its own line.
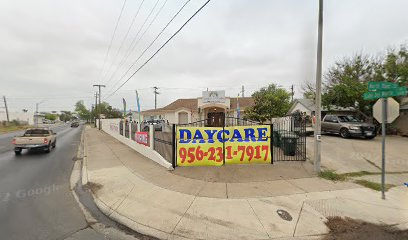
x=111, y=127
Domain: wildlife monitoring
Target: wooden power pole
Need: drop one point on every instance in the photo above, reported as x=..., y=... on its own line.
x=5, y=106
x=99, y=104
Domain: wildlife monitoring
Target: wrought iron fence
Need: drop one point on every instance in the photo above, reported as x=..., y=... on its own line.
x=163, y=144
x=121, y=127
x=289, y=138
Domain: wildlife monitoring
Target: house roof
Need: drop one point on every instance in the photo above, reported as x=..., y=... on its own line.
x=310, y=105
x=307, y=103
x=192, y=103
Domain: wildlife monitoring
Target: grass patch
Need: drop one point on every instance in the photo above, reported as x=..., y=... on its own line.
x=332, y=175
x=360, y=174
x=373, y=185
x=6, y=129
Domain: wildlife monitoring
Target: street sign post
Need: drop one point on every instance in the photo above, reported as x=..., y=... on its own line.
x=384, y=90
x=399, y=91
x=381, y=86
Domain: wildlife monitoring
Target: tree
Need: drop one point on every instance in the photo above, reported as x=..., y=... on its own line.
x=395, y=66
x=82, y=111
x=346, y=82
x=50, y=116
x=66, y=116
x=270, y=102
x=107, y=110
x=309, y=90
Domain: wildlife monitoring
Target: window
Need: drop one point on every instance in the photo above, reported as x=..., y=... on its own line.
x=328, y=118
x=33, y=132
x=348, y=118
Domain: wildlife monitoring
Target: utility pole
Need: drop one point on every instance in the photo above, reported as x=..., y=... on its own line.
x=36, y=112
x=99, y=109
x=96, y=104
x=317, y=130
x=155, y=96
x=243, y=91
x=293, y=93
x=5, y=106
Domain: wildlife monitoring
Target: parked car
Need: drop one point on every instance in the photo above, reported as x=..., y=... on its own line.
x=75, y=124
x=348, y=126
x=158, y=124
x=35, y=138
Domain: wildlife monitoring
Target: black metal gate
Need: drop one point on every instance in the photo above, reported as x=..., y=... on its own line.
x=289, y=138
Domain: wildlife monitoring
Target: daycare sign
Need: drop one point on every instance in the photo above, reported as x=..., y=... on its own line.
x=215, y=146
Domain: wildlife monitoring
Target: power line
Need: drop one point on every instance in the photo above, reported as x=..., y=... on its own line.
x=125, y=37
x=53, y=98
x=134, y=43
x=154, y=40
x=168, y=40
x=113, y=37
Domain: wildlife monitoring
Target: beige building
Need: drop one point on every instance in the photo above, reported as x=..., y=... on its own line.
x=213, y=105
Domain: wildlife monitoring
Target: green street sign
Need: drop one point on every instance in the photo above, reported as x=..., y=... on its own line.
x=381, y=86
x=399, y=91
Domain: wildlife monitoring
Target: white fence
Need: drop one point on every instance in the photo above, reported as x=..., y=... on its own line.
x=112, y=127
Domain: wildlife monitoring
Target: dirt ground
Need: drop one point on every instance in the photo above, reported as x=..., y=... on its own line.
x=347, y=229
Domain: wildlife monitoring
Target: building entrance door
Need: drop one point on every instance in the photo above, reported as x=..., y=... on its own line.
x=215, y=119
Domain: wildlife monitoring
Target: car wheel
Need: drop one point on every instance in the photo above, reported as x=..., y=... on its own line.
x=48, y=149
x=54, y=145
x=17, y=151
x=344, y=133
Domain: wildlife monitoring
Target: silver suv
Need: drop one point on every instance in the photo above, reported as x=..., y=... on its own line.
x=158, y=124
x=348, y=126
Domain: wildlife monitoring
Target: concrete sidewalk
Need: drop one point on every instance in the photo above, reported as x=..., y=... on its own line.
x=175, y=205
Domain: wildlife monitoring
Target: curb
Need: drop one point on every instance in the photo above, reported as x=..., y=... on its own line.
x=80, y=172
x=76, y=176
x=137, y=227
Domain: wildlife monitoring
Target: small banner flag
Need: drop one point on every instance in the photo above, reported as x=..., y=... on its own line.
x=124, y=108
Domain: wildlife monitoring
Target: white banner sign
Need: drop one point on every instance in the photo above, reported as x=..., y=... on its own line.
x=214, y=97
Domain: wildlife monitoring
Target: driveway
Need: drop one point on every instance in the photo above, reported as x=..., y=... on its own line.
x=353, y=155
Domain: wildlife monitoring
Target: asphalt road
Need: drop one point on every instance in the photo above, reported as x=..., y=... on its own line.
x=35, y=200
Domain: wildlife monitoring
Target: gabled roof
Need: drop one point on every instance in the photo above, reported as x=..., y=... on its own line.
x=310, y=105
x=307, y=103
x=192, y=104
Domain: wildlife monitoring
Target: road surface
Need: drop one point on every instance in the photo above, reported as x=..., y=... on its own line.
x=35, y=200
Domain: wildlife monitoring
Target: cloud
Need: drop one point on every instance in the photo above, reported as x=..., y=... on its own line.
x=54, y=50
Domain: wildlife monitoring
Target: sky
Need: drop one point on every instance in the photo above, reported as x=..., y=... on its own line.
x=52, y=52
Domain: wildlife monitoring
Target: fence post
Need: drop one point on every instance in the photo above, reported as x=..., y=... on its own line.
x=223, y=141
x=271, y=142
x=173, y=146
x=151, y=136
x=130, y=130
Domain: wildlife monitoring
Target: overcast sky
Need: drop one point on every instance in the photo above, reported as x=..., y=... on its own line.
x=54, y=50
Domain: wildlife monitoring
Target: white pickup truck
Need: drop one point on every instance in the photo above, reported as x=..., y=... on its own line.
x=35, y=138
